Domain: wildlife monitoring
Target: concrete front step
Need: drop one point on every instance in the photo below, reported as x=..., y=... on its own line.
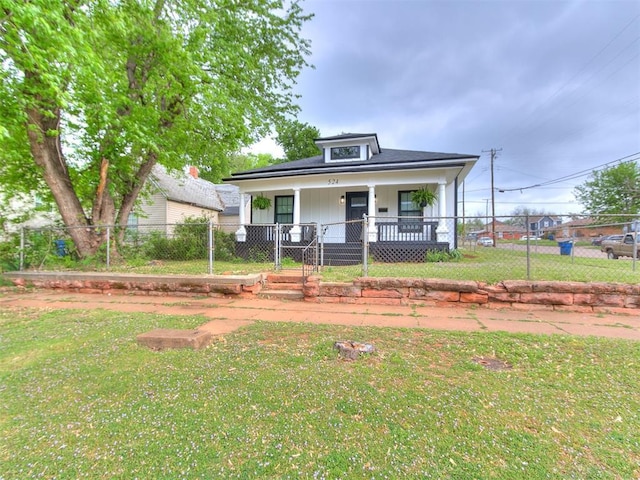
x=163, y=338
x=282, y=294
x=282, y=286
x=285, y=278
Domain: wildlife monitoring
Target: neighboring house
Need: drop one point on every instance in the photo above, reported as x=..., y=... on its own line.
x=230, y=217
x=586, y=227
x=25, y=210
x=353, y=177
x=172, y=197
x=502, y=231
x=539, y=225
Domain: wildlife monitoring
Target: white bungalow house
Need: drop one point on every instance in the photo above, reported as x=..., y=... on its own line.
x=353, y=177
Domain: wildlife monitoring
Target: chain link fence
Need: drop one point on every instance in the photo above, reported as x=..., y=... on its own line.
x=472, y=248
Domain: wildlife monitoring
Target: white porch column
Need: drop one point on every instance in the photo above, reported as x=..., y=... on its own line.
x=296, y=231
x=442, y=232
x=241, y=233
x=373, y=230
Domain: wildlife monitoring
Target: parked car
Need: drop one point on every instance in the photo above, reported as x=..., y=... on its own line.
x=598, y=241
x=485, y=241
x=622, y=247
x=529, y=237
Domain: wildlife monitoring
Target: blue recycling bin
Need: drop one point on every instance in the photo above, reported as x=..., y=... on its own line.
x=565, y=247
x=61, y=248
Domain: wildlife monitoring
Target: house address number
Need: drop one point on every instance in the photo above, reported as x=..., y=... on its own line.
x=333, y=181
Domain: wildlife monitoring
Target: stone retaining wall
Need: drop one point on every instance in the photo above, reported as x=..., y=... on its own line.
x=132, y=284
x=573, y=296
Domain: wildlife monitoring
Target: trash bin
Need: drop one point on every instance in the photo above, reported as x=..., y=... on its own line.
x=565, y=247
x=61, y=248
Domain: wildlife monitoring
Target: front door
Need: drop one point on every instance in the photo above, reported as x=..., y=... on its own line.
x=357, y=206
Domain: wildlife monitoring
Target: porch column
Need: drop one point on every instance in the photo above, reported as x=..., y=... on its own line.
x=241, y=233
x=442, y=232
x=296, y=231
x=371, y=215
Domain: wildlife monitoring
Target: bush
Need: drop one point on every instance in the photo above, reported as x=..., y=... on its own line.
x=190, y=241
x=435, y=256
x=225, y=246
x=10, y=255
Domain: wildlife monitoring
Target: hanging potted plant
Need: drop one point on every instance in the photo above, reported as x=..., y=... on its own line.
x=261, y=202
x=423, y=197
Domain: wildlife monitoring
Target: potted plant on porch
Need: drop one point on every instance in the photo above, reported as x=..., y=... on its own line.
x=423, y=197
x=261, y=202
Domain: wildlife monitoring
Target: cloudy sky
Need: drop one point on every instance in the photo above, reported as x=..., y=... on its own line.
x=554, y=84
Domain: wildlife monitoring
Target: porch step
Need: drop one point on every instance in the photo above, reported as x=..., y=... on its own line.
x=289, y=278
x=284, y=285
x=282, y=294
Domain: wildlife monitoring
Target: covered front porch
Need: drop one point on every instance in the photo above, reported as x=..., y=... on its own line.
x=391, y=216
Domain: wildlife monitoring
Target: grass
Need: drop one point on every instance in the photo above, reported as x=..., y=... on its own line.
x=492, y=265
x=82, y=400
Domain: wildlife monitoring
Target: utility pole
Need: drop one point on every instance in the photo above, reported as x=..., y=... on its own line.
x=494, y=154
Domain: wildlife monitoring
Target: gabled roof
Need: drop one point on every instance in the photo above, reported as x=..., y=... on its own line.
x=230, y=196
x=184, y=188
x=387, y=159
x=537, y=218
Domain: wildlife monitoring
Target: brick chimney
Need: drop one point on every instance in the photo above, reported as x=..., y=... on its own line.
x=193, y=171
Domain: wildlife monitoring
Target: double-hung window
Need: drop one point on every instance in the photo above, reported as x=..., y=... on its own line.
x=407, y=208
x=284, y=209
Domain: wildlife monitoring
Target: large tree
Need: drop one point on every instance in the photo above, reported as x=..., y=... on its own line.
x=94, y=93
x=297, y=139
x=612, y=191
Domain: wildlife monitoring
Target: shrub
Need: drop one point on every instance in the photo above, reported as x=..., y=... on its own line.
x=225, y=246
x=435, y=256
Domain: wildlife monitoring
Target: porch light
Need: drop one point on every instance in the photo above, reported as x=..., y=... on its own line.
x=341, y=199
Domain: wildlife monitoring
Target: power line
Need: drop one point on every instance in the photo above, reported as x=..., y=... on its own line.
x=574, y=175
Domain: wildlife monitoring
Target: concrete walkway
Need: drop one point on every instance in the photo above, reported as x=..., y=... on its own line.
x=229, y=314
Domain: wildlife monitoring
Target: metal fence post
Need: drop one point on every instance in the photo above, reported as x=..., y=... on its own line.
x=365, y=245
x=277, y=241
x=317, y=252
x=108, y=247
x=21, y=249
x=322, y=231
x=526, y=229
x=635, y=244
x=211, y=246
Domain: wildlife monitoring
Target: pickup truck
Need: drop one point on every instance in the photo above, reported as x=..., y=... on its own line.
x=620, y=248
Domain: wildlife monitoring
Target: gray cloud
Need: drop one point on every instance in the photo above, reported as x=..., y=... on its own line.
x=555, y=84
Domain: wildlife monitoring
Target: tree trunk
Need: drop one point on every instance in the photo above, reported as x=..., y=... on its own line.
x=129, y=199
x=44, y=142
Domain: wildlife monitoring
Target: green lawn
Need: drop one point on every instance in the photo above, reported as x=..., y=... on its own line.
x=493, y=265
x=80, y=399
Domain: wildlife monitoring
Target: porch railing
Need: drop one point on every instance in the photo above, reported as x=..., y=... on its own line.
x=409, y=230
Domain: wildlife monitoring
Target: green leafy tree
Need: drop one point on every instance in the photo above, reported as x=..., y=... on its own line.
x=93, y=94
x=612, y=191
x=297, y=140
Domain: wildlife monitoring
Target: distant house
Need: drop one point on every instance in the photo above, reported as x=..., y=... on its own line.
x=503, y=231
x=586, y=228
x=539, y=225
x=173, y=197
x=25, y=210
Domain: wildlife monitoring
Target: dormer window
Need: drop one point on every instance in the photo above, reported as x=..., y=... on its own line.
x=344, y=153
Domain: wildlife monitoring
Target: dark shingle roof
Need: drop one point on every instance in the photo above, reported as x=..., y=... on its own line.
x=387, y=159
